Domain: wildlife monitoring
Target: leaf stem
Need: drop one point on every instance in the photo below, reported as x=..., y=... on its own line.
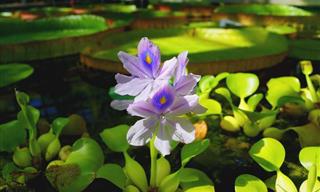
x=153, y=157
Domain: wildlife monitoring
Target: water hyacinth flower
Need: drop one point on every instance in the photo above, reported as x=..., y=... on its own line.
x=162, y=118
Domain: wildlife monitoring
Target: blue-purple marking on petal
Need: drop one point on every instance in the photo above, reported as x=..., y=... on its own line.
x=163, y=99
x=148, y=60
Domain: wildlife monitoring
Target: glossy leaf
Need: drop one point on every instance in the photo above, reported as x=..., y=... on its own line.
x=242, y=84
x=193, y=149
x=207, y=83
x=212, y=106
x=282, y=86
x=116, y=138
x=303, y=187
x=225, y=93
x=170, y=183
x=254, y=100
x=310, y=156
x=11, y=73
x=12, y=134
x=113, y=173
x=308, y=134
x=58, y=124
x=190, y=178
x=284, y=183
x=205, y=188
x=268, y=153
x=163, y=169
x=246, y=183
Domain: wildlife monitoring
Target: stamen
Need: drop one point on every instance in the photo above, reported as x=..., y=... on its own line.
x=163, y=100
x=148, y=59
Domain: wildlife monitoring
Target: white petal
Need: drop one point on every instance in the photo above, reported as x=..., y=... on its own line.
x=164, y=135
x=168, y=69
x=183, y=130
x=133, y=87
x=141, y=132
x=145, y=93
x=120, y=104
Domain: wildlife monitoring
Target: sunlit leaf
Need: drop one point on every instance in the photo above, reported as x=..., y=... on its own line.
x=193, y=149
x=116, y=138
x=190, y=178
x=205, y=188
x=249, y=84
x=268, y=153
x=246, y=183
x=284, y=183
x=310, y=156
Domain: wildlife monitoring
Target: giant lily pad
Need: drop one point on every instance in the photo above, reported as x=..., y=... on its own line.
x=51, y=37
x=211, y=50
x=305, y=49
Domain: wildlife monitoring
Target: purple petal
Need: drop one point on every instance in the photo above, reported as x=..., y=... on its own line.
x=132, y=65
x=184, y=130
x=142, y=109
x=123, y=78
x=183, y=105
x=186, y=84
x=133, y=87
x=149, y=55
x=141, y=132
x=164, y=135
x=168, y=69
x=145, y=93
x=163, y=98
x=182, y=63
x=120, y=104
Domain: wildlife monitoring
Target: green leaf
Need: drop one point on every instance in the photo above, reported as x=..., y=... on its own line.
x=22, y=98
x=303, y=187
x=246, y=183
x=268, y=153
x=58, y=124
x=271, y=182
x=207, y=83
x=249, y=84
x=212, y=106
x=116, y=138
x=11, y=73
x=79, y=169
x=205, y=188
x=190, y=178
x=193, y=149
x=254, y=100
x=113, y=173
x=310, y=156
x=284, y=183
x=163, y=170
x=226, y=94
x=282, y=86
x=116, y=96
x=290, y=99
x=12, y=134
x=170, y=183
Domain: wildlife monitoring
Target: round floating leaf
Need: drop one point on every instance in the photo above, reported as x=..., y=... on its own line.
x=309, y=156
x=205, y=188
x=280, y=87
x=12, y=134
x=193, y=149
x=190, y=178
x=116, y=138
x=11, y=73
x=268, y=153
x=246, y=183
x=243, y=84
x=284, y=183
x=113, y=173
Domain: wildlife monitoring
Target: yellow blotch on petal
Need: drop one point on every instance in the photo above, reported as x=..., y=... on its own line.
x=201, y=129
x=148, y=59
x=163, y=100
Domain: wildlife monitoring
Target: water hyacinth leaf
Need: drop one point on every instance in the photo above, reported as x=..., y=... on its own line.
x=205, y=188
x=163, y=170
x=254, y=100
x=113, y=173
x=310, y=156
x=284, y=183
x=246, y=183
x=116, y=138
x=79, y=169
x=12, y=134
x=28, y=117
x=22, y=98
x=58, y=124
x=271, y=182
x=226, y=94
x=303, y=187
x=170, y=183
x=249, y=84
x=190, y=178
x=136, y=173
x=207, y=83
x=131, y=188
x=256, y=116
x=290, y=99
x=193, y=149
x=11, y=73
x=212, y=106
x=282, y=86
x=308, y=134
x=115, y=96
x=268, y=153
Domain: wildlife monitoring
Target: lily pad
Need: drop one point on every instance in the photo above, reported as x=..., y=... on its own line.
x=11, y=73
x=305, y=49
x=211, y=50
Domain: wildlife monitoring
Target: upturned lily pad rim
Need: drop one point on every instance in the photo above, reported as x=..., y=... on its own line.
x=89, y=59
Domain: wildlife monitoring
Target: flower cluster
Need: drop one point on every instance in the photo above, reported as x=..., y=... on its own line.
x=163, y=94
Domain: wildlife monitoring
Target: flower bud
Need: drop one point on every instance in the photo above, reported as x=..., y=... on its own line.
x=163, y=170
x=53, y=149
x=64, y=152
x=131, y=188
x=229, y=123
x=306, y=67
x=44, y=141
x=273, y=133
x=201, y=129
x=22, y=157
x=136, y=173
